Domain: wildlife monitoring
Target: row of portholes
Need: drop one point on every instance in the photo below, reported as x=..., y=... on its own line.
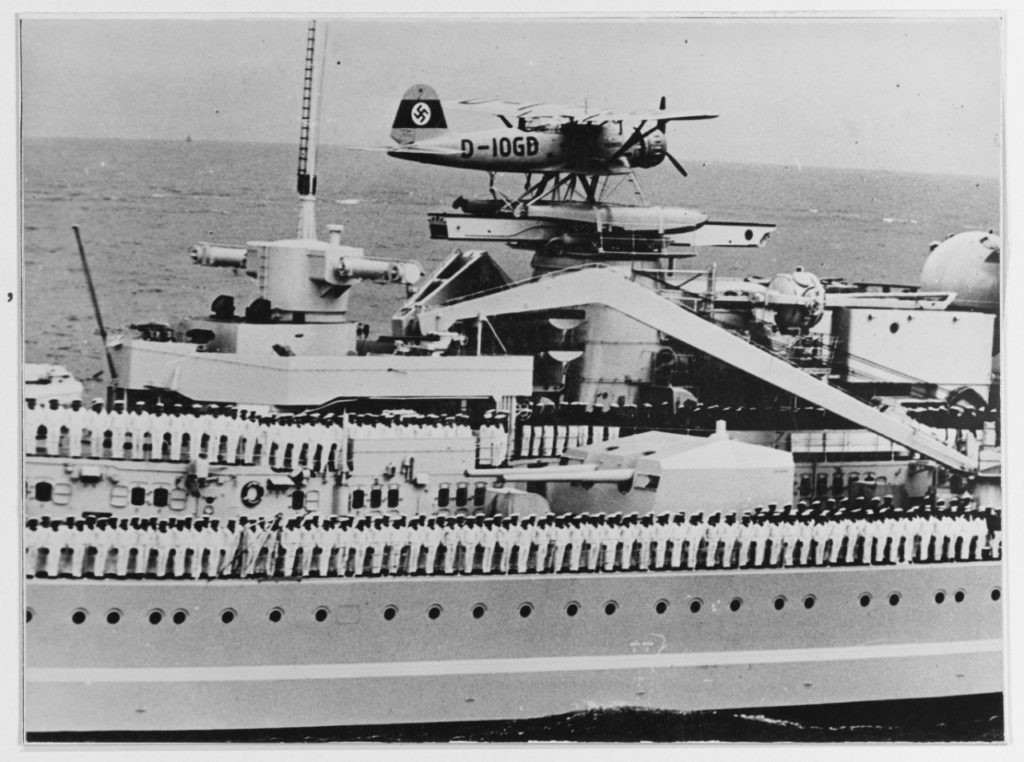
x=227, y=616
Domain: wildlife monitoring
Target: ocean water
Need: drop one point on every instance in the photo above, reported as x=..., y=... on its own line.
x=141, y=205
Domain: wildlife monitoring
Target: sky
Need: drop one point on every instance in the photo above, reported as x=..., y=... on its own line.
x=908, y=94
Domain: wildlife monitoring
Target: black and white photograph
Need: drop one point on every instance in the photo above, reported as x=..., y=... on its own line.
x=505, y=378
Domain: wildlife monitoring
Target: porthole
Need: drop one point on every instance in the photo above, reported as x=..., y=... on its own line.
x=179, y=616
x=525, y=609
x=779, y=603
x=611, y=607
x=434, y=611
x=480, y=609
x=113, y=616
x=275, y=615
x=809, y=601
x=44, y=492
x=227, y=616
x=28, y=615
x=940, y=597
x=661, y=606
x=321, y=614
x=894, y=599
x=572, y=609
x=865, y=600
x=156, y=616
x=996, y=593
x=959, y=596
x=695, y=605
x=735, y=604
x=894, y=327
x=390, y=612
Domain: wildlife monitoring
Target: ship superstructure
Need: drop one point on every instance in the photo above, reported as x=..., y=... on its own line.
x=615, y=483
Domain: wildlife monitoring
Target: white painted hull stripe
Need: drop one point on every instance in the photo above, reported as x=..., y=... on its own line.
x=257, y=673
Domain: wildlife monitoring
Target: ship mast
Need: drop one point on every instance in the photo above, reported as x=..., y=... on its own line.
x=312, y=88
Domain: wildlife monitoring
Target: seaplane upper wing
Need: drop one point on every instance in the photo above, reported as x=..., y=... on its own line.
x=517, y=110
x=579, y=114
x=645, y=115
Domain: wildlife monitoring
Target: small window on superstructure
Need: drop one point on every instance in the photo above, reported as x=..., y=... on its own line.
x=43, y=492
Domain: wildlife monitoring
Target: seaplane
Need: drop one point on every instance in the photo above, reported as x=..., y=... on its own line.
x=581, y=155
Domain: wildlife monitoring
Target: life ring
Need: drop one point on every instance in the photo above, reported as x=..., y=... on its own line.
x=252, y=494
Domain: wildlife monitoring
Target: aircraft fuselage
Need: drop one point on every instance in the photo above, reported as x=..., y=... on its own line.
x=592, y=150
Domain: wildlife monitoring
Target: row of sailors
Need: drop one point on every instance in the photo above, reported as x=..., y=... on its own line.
x=348, y=546
x=550, y=441
x=314, y=440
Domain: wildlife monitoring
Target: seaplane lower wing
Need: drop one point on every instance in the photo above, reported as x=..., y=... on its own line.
x=413, y=149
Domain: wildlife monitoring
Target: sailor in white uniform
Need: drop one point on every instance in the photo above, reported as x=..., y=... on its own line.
x=523, y=540
x=449, y=541
x=30, y=427
x=610, y=533
x=472, y=539
x=54, y=543
x=32, y=545
x=695, y=535
x=179, y=542
x=660, y=537
x=52, y=418
x=334, y=539
x=123, y=542
x=592, y=537
x=196, y=429
x=75, y=420
x=163, y=542
x=488, y=541
x=432, y=536
x=728, y=534
x=415, y=538
x=101, y=540
x=381, y=540
x=557, y=533
x=676, y=533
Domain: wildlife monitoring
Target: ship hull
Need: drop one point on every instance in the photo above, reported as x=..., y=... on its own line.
x=796, y=637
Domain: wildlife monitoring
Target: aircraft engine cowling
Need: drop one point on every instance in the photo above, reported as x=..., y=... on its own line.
x=649, y=152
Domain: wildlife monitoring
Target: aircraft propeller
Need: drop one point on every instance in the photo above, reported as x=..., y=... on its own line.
x=639, y=135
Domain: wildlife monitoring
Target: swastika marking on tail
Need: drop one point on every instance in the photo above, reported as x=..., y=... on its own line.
x=420, y=113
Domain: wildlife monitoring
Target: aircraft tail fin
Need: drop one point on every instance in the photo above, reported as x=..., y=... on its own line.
x=419, y=116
